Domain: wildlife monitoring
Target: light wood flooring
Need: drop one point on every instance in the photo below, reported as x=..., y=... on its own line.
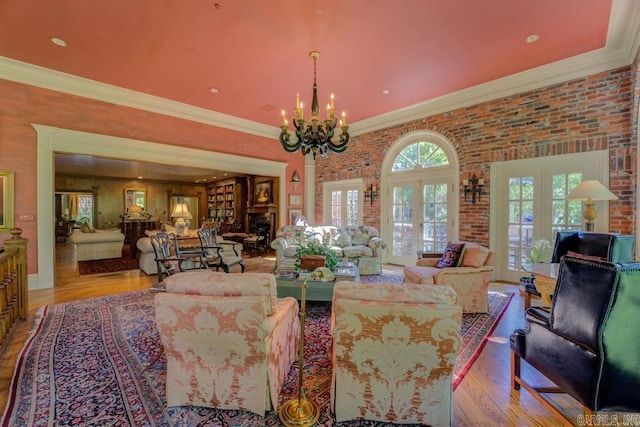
x=483, y=398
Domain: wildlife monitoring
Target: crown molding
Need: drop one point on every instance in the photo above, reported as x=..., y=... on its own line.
x=22, y=72
x=623, y=40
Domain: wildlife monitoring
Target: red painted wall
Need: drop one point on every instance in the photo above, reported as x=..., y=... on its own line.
x=21, y=105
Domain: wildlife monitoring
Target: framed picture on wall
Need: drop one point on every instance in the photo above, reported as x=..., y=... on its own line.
x=6, y=201
x=293, y=215
x=263, y=193
x=295, y=200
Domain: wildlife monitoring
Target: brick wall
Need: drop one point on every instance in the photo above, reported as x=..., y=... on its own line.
x=582, y=115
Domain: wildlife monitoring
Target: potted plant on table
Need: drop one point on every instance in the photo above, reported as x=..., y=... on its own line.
x=317, y=248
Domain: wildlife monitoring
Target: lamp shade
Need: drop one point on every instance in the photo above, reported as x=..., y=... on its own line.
x=593, y=190
x=180, y=210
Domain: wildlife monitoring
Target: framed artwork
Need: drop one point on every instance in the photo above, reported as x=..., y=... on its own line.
x=6, y=201
x=295, y=200
x=263, y=193
x=293, y=215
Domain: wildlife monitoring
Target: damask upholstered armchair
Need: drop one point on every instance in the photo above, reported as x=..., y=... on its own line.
x=468, y=274
x=394, y=348
x=228, y=339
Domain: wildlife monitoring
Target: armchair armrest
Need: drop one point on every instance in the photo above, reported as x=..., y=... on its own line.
x=215, y=248
x=279, y=243
x=227, y=244
x=464, y=270
x=376, y=244
x=427, y=262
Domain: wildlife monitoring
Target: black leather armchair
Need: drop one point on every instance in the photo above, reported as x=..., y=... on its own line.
x=607, y=246
x=588, y=341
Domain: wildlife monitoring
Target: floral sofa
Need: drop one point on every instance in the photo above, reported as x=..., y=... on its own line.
x=358, y=243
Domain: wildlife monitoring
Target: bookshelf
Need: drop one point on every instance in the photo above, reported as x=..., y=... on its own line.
x=226, y=198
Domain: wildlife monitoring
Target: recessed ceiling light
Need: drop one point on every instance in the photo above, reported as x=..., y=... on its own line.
x=59, y=42
x=139, y=177
x=213, y=89
x=532, y=38
x=386, y=92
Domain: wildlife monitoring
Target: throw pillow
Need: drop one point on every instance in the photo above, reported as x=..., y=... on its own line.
x=451, y=255
x=343, y=239
x=474, y=256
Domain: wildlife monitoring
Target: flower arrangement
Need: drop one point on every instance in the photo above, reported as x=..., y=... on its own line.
x=317, y=248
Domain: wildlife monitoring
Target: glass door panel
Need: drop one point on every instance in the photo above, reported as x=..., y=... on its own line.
x=403, y=249
x=434, y=218
x=520, y=225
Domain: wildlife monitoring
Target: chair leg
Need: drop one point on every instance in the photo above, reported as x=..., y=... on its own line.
x=242, y=266
x=515, y=370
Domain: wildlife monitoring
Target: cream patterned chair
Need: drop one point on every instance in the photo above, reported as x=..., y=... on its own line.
x=228, y=339
x=394, y=348
x=470, y=279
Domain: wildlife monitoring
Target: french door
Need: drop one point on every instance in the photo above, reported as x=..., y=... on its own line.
x=420, y=218
x=528, y=202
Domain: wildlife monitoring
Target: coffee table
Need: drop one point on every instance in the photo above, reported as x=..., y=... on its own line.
x=316, y=290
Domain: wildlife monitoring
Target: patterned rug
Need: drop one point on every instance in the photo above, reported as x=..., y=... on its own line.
x=84, y=362
x=112, y=265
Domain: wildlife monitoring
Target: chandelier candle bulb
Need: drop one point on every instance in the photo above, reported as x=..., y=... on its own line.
x=465, y=182
x=344, y=118
x=481, y=181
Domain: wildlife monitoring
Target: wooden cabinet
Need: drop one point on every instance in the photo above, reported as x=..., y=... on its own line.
x=133, y=229
x=225, y=200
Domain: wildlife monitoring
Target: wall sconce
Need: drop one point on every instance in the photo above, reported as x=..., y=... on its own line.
x=295, y=179
x=371, y=193
x=473, y=186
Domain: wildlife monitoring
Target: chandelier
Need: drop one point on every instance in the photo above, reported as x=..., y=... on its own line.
x=314, y=136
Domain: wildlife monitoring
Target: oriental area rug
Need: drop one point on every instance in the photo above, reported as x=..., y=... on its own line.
x=111, y=265
x=84, y=364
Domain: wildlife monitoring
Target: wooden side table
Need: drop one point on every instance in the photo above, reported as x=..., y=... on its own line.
x=546, y=276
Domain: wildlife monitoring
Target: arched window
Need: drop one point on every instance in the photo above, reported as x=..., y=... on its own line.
x=420, y=154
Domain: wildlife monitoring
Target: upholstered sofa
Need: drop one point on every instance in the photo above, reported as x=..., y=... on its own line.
x=358, y=243
x=97, y=244
x=147, y=258
x=229, y=340
x=470, y=279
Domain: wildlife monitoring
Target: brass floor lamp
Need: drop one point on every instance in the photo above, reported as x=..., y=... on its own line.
x=299, y=411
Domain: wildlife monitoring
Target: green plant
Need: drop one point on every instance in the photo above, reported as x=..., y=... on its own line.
x=540, y=251
x=317, y=248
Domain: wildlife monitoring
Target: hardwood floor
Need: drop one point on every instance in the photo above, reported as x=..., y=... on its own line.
x=483, y=398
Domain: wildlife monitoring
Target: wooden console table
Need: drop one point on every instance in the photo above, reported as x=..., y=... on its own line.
x=135, y=228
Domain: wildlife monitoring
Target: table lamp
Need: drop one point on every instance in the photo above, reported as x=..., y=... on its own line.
x=590, y=191
x=180, y=213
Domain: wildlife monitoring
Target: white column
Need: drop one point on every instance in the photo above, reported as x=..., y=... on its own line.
x=309, y=210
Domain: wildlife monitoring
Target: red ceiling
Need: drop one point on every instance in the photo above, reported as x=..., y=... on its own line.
x=256, y=51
